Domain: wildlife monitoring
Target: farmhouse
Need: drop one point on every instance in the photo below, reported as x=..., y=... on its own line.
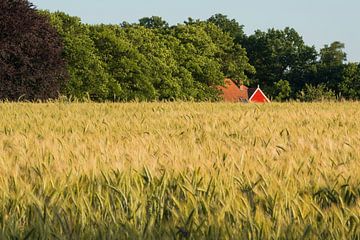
x=232, y=93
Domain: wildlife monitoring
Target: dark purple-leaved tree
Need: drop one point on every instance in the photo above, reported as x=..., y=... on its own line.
x=31, y=63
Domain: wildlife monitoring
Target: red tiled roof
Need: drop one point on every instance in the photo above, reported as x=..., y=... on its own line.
x=230, y=92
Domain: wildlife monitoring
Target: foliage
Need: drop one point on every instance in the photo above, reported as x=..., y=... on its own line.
x=148, y=61
x=333, y=54
x=312, y=93
x=280, y=54
x=179, y=171
x=153, y=22
x=331, y=65
x=230, y=26
x=232, y=57
x=31, y=66
x=88, y=74
x=182, y=62
x=349, y=86
x=124, y=61
x=151, y=60
x=282, y=90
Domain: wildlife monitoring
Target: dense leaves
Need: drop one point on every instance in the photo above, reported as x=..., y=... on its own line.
x=280, y=55
x=288, y=68
x=311, y=93
x=230, y=26
x=151, y=60
x=349, y=86
x=89, y=76
x=31, y=66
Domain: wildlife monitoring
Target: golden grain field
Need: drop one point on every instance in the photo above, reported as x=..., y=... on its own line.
x=179, y=171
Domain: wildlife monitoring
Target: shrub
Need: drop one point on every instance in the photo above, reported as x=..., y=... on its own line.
x=30, y=54
x=311, y=93
x=349, y=86
x=281, y=90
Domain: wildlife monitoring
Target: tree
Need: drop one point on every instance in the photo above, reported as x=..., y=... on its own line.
x=140, y=59
x=153, y=22
x=280, y=54
x=349, y=86
x=314, y=93
x=31, y=64
x=232, y=57
x=88, y=73
x=331, y=65
x=196, y=55
x=282, y=90
x=230, y=26
x=333, y=55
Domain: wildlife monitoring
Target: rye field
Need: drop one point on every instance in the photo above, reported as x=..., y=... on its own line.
x=179, y=171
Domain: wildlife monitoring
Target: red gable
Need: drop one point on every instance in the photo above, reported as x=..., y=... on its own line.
x=258, y=97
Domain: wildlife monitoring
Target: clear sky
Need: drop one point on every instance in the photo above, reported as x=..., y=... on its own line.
x=318, y=21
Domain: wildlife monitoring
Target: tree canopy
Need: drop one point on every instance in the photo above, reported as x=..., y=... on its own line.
x=280, y=55
x=149, y=60
x=153, y=60
x=31, y=63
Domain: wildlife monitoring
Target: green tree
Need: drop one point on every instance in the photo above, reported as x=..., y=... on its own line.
x=331, y=65
x=280, y=54
x=88, y=73
x=282, y=90
x=311, y=93
x=162, y=67
x=333, y=55
x=123, y=61
x=154, y=22
x=232, y=57
x=140, y=60
x=230, y=26
x=349, y=86
x=196, y=56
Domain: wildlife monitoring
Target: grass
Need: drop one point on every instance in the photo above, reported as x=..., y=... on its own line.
x=179, y=171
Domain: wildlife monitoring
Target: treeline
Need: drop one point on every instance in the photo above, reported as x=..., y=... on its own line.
x=151, y=60
x=289, y=69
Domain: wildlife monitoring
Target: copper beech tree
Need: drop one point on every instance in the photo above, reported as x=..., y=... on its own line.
x=31, y=64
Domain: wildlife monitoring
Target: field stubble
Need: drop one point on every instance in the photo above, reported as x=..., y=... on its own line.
x=180, y=170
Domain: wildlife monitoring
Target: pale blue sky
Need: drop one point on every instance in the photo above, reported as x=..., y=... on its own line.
x=318, y=21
